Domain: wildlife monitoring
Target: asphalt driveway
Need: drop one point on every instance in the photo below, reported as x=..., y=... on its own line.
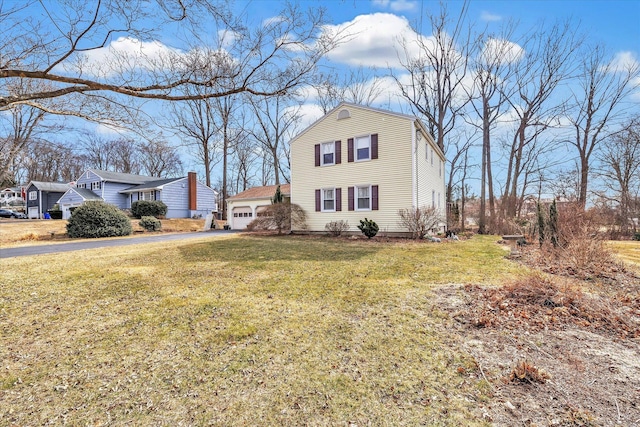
x=105, y=243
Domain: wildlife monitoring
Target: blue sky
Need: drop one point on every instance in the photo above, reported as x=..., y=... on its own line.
x=614, y=22
x=379, y=24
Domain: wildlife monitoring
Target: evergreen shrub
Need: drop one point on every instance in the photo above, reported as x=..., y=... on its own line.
x=98, y=219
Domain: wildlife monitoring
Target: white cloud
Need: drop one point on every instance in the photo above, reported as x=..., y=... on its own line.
x=624, y=61
x=504, y=50
x=227, y=38
x=489, y=17
x=124, y=53
x=374, y=40
x=309, y=113
x=635, y=95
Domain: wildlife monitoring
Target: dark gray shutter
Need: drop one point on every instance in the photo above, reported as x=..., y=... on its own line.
x=317, y=148
x=351, y=204
x=338, y=199
x=318, y=201
x=374, y=197
x=350, y=149
x=338, y=152
x=374, y=146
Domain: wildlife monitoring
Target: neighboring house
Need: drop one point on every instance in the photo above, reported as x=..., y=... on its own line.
x=42, y=196
x=12, y=196
x=185, y=197
x=358, y=162
x=246, y=206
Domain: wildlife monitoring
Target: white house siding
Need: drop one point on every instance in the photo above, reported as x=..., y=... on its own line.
x=392, y=171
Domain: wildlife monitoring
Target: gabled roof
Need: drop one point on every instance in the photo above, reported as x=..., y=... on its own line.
x=152, y=185
x=262, y=192
x=85, y=193
x=417, y=122
x=126, y=178
x=55, y=187
x=357, y=106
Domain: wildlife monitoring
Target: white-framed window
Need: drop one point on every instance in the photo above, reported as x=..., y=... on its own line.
x=147, y=195
x=81, y=185
x=328, y=153
x=432, y=157
x=440, y=167
x=433, y=199
x=363, y=148
x=439, y=196
x=426, y=151
x=328, y=200
x=363, y=198
x=95, y=185
x=33, y=195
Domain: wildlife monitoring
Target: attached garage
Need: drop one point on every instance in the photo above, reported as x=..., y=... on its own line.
x=242, y=216
x=244, y=207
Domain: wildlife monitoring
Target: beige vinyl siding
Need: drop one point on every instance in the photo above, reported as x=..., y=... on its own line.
x=392, y=171
x=429, y=179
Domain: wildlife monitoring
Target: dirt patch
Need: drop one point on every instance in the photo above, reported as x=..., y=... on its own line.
x=554, y=352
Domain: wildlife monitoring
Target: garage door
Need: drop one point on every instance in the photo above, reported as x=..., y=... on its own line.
x=241, y=217
x=33, y=212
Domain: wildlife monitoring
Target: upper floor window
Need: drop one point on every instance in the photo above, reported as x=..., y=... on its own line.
x=81, y=185
x=33, y=195
x=363, y=148
x=328, y=153
x=95, y=185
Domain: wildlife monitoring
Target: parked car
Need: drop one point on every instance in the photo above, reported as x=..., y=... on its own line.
x=6, y=213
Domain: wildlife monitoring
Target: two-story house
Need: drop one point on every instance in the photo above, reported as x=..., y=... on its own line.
x=358, y=162
x=184, y=196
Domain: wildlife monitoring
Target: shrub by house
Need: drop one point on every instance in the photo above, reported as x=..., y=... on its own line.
x=98, y=219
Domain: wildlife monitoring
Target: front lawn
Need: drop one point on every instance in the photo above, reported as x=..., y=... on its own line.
x=242, y=330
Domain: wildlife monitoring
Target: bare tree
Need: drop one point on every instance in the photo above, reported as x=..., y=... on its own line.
x=17, y=129
x=158, y=158
x=243, y=164
x=436, y=77
x=117, y=155
x=56, y=42
x=275, y=119
x=356, y=87
x=603, y=87
x=54, y=162
x=491, y=68
x=549, y=60
x=195, y=121
x=620, y=173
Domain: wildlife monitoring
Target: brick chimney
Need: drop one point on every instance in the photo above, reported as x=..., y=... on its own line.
x=193, y=202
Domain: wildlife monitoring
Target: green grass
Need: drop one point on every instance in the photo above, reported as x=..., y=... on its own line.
x=240, y=331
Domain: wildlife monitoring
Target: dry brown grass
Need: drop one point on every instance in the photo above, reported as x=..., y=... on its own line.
x=628, y=251
x=240, y=330
x=28, y=232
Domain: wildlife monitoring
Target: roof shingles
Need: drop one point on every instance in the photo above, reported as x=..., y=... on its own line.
x=262, y=192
